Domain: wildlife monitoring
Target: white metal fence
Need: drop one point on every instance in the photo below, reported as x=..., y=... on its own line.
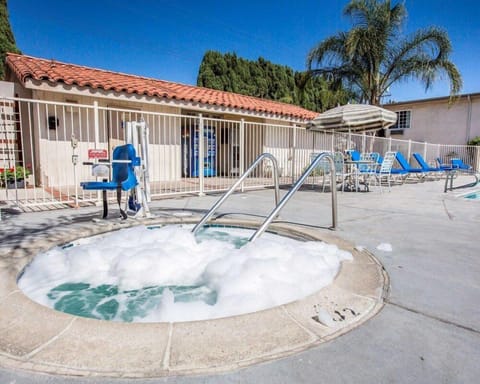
x=38, y=167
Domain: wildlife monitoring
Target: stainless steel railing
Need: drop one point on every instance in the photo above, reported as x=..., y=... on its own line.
x=296, y=186
x=238, y=182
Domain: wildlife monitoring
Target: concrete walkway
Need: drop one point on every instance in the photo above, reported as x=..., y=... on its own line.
x=429, y=329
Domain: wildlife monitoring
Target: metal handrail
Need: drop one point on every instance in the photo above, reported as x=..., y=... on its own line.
x=296, y=186
x=452, y=173
x=238, y=182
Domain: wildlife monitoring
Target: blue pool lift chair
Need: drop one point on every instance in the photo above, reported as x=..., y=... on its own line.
x=124, y=161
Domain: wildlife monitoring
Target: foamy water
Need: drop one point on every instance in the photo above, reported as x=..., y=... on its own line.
x=166, y=274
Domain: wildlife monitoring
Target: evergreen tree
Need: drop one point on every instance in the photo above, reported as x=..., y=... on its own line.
x=7, y=41
x=262, y=78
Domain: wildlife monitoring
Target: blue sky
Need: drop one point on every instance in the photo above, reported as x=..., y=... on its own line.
x=167, y=39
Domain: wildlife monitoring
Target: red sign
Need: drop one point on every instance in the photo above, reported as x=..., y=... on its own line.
x=97, y=154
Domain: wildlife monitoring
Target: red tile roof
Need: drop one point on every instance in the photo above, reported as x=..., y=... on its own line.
x=27, y=67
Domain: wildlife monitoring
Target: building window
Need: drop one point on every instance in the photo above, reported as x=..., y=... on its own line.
x=403, y=121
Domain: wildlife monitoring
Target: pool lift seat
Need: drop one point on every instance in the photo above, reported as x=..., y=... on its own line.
x=124, y=161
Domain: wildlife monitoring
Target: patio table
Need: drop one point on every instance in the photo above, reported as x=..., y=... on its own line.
x=353, y=172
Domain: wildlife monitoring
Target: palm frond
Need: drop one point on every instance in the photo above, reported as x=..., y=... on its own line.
x=373, y=54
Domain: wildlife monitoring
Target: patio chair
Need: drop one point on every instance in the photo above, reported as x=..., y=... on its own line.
x=424, y=165
x=459, y=164
x=444, y=166
x=419, y=172
x=456, y=164
x=124, y=160
x=368, y=169
x=394, y=171
x=354, y=154
x=434, y=171
x=324, y=169
x=385, y=170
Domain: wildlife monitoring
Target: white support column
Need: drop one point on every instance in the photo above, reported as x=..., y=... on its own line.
x=477, y=158
x=128, y=133
x=96, y=125
x=134, y=132
x=144, y=145
x=201, y=155
x=96, y=133
x=294, y=151
x=409, y=150
x=241, y=166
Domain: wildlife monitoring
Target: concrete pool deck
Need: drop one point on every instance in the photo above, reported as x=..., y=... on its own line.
x=428, y=331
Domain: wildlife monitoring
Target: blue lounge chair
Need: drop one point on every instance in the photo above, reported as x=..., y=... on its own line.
x=459, y=164
x=354, y=154
x=432, y=171
x=419, y=172
x=424, y=165
x=123, y=176
x=443, y=166
x=456, y=164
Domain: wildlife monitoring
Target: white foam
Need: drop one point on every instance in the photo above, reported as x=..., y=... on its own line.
x=386, y=247
x=271, y=271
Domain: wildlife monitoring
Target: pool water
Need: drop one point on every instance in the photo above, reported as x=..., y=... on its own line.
x=107, y=302
x=103, y=302
x=473, y=196
x=165, y=273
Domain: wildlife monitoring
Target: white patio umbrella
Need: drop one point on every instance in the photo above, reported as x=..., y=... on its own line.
x=353, y=118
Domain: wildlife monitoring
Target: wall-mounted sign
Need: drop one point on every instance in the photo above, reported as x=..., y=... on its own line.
x=97, y=154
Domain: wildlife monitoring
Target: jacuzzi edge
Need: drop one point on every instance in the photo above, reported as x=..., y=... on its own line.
x=315, y=334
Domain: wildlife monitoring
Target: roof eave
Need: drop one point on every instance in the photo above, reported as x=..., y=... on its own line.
x=45, y=85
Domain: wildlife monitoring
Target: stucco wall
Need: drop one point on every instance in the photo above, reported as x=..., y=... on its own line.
x=437, y=121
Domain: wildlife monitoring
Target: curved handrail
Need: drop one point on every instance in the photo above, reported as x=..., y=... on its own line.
x=451, y=174
x=296, y=186
x=238, y=182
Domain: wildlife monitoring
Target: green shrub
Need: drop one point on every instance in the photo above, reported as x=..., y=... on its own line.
x=11, y=174
x=474, y=141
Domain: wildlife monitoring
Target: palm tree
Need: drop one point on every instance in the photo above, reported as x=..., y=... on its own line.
x=373, y=55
